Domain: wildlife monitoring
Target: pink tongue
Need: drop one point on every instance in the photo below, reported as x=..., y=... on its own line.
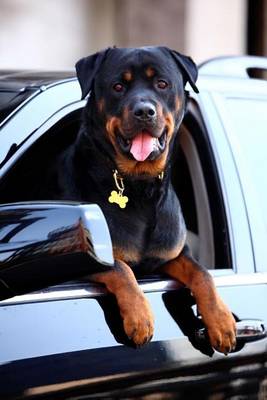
x=142, y=146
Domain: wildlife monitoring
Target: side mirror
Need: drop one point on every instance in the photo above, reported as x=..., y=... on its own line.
x=47, y=243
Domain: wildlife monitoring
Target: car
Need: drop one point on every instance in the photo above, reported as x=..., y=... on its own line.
x=61, y=336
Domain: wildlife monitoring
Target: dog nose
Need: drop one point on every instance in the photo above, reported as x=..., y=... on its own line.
x=145, y=111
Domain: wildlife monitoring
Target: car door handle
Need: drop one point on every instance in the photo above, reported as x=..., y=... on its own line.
x=247, y=330
x=250, y=330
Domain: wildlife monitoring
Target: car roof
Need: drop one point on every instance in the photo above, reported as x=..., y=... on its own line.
x=244, y=75
x=233, y=66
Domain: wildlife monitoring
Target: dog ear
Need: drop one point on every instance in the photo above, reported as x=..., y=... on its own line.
x=188, y=67
x=87, y=68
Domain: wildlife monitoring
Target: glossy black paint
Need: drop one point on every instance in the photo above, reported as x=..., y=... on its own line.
x=43, y=244
x=132, y=372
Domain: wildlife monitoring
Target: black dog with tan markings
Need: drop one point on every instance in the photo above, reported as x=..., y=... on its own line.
x=121, y=160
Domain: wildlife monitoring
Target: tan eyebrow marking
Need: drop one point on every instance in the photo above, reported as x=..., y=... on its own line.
x=127, y=76
x=150, y=72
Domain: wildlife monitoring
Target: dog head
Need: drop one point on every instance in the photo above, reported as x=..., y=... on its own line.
x=138, y=99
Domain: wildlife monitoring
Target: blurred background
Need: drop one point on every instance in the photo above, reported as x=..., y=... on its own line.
x=54, y=34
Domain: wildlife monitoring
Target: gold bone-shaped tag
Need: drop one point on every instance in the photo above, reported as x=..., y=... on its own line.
x=117, y=198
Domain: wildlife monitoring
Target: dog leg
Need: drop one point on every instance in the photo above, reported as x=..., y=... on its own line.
x=216, y=316
x=134, y=308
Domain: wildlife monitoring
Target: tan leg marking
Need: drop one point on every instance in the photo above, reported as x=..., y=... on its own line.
x=138, y=320
x=216, y=316
x=127, y=255
x=168, y=254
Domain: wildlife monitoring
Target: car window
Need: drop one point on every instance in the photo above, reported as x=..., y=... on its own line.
x=194, y=179
x=248, y=138
x=19, y=182
x=197, y=183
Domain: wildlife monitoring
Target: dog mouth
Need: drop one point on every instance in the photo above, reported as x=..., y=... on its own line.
x=143, y=146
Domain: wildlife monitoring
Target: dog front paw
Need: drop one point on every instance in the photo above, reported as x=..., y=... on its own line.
x=138, y=320
x=221, y=328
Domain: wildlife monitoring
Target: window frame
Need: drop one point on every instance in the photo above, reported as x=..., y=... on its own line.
x=212, y=189
x=209, y=101
x=256, y=226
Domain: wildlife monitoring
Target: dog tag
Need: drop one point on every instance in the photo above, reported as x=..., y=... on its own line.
x=118, y=198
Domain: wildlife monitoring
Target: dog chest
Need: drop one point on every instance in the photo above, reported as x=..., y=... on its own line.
x=139, y=235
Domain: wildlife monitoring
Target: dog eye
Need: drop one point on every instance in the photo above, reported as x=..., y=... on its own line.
x=118, y=87
x=161, y=84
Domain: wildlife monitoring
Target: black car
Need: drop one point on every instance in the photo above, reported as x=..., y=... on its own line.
x=66, y=340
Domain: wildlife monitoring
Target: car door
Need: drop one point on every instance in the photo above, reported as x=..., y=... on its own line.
x=221, y=114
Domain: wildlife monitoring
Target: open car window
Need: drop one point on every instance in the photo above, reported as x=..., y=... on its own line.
x=196, y=181
x=194, y=177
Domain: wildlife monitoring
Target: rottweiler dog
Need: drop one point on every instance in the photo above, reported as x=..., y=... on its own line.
x=122, y=161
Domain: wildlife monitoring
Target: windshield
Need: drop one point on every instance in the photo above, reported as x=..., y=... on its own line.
x=10, y=100
x=17, y=86
x=6, y=97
